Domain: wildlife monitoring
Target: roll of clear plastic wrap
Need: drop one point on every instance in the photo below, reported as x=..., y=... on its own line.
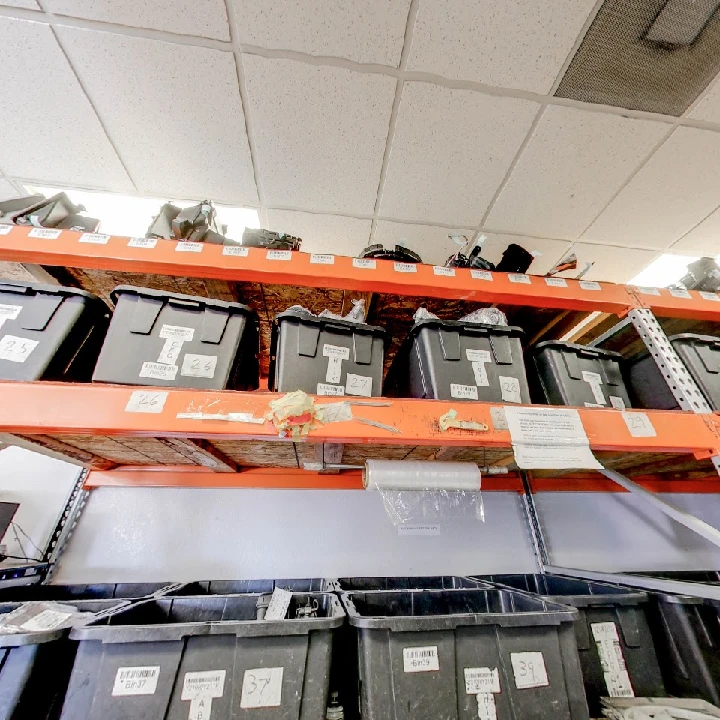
x=421, y=475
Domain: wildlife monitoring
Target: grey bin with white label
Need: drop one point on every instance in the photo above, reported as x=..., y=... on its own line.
x=169, y=340
x=453, y=360
x=465, y=653
x=48, y=332
x=562, y=373
x=612, y=631
x=325, y=356
x=205, y=657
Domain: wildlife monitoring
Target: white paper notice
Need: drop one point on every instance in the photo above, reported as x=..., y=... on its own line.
x=136, y=680
x=612, y=660
x=170, y=352
x=519, y=278
x=364, y=263
x=416, y=530
x=443, y=271
x=95, y=238
x=186, y=246
x=617, y=402
x=46, y=620
x=142, y=242
x=481, y=275
x=146, y=402
x=235, y=250
x=16, y=349
x=589, y=285
x=9, y=312
x=262, y=687
x=279, y=604
x=325, y=389
x=648, y=290
x=556, y=282
x=529, y=670
x=44, y=233
x=335, y=354
x=5, y=229
x=639, y=424
x=549, y=438
x=680, y=292
x=486, y=706
x=201, y=366
x=482, y=680
x=709, y=296
x=421, y=659
x=279, y=255
x=463, y=392
x=200, y=688
x=318, y=259
x=595, y=381
x=158, y=371
x=176, y=332
x=510, y=389
x=358, y=385
x=405, y=267
x=477, y=359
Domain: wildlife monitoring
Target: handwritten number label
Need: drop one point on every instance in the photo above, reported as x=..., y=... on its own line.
x=16, y=349
x=358, y=385
x=262, y=687
x=142, y=401
x=529, y=670
x=639, y=424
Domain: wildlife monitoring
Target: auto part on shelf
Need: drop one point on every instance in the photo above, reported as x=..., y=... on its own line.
x=568, y=263
x=54, y=212
x=256, y=237
x=468, y=256
x=703, y=274
x=399, y=254
x=515, y=259
x=197, y=223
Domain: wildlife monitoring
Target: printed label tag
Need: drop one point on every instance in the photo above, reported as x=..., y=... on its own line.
x=529, y=670
x=478, y=355
x=325, y=389
x=16, y=349
x=188, y=246
x=589, y=285
x=463, y=392
x=278, y=255
x=612, y=660
x=136, y=680
x=639, y=424
x=142, y=242
x=5, y=229
x=210, y=683
x=481, y=275
x=617, y=402
x=482, y=680
x=446, y=272
x=486, y=706
x=478, y=358
x=510, y=389
x=405, y=267
x=158, y=371
x=358, y=385
x=709, y=296
x=519, y=278
x=414, y=530
x=648, y=290
x=176, y=332
x=44, y=233
x=262, y=687
x=95, y=238
x=556, y=282
x=279, y=604
x=421, y=659
x=365, y=263
x=170, y=352
x=318, y=259
x=9, y=312
x=46, y=620
x=336, y=351
x=334, y=370
x=680, y=292
x=595, y=381
x=146, y=402
x=202, y=366
x=235, y=250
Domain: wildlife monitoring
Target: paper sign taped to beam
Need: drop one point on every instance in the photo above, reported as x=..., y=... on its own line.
x=549, y=439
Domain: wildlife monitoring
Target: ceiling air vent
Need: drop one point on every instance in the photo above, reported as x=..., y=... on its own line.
x=654, y=55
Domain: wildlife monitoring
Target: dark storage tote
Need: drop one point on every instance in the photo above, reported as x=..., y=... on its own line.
x=168, y=658
x=170, y=340
x=453, y=360
x=235, y=587
x=48, y=332
x=461, y=654
x=562, y=373
x=443, y=582
x=612, y=632
x=65, y=593
x=324, y=356
x=701, y=356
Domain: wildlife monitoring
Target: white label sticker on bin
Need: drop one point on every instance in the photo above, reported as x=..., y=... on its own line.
x=325, y=389
x=477, y=359
x=612, y=660
x=142, y=242
x=446, y=272
x=709, y=296
x=639, y=424
x=589, y=285
x=44, y=233
x=95, y=238
x=188, y=246
x=482, y=680
x=279, y=604
x=136, y=680
x=46, y=620
x=519, y=278
x=529, y=670
x=481, y=275
x=9, y=312
x=210, y=683
x=421, y=659
x=16, y=349
x=235, y=250
x=262, y=687
x=278, y=255
x=478, y=355
x=170, y=352
x=5, y=229
x=595, y=381
x=680, y=292
x=320, y=259
x=405, y=267
x=142, y=401
x=617, y=402
x=335, y=354
x=463, y=392
x=158, y=371
x=416, y=529
x=176, y=332
x=486, y=706
x=200, y=366
x=358, y=385
x=364, y=263
x=647, y=290
x=510, y=389
x=556, y=282
x=336, y=351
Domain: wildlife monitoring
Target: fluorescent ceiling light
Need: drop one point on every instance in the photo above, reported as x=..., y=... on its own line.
x=681, y=21
x=664, y=271
x=131, y=216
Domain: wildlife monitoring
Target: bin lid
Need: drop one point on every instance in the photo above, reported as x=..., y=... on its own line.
x=202, y=302
x=484, y=328
x=307, y=318
x=692, y=337
x=21, y=287
x=574, y=347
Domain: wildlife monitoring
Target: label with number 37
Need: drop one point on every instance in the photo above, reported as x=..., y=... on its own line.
x=262, y=687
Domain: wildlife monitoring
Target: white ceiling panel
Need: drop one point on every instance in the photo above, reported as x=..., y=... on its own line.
x=548, y=251
x=612, y=264
x=322, y=233
x=206, y=18
x=450, y=152
x=507, y=43
x=370, y=31
x=574, y=163
x=7, y=191
x=49, y=130
x=173, y=111
x=703, y=239
x=320, y=133
x=29, y=4
x=673, y=192
x=709, y=107
x=429, y=241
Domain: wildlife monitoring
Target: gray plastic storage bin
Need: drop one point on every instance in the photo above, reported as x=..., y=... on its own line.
x=162, y=660
x=442, y=582
x=169, y=340
x=64, y=593
x=562, y=373
x=48, y=332
x=324, y=356
x=454, y=654
x=701, y=356
x=235, y=587
x=618, y=616
x=452, y=360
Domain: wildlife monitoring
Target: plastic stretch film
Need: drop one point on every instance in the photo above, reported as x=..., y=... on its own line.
x=421, y=492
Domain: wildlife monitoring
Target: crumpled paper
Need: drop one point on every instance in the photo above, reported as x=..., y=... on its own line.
x=356, y=315
x=483, y=316
x=296, y=414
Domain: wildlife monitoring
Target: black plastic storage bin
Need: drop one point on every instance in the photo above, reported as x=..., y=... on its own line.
x=65, y=593
x=562, y=373
x=235, y=587
x=439, y=654
x=443, y=582
x=701, y=356
x=619, y=618
x=146, y=662
x=324, y=356
x=170, y=340
x=449, y=360
x=48, y=332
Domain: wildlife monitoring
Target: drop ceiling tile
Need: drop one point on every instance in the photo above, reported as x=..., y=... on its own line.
x=450, y=152
x=709, y=107
x=322, y=233
x=573, y=165
x=371, y=31
x=29, y=4
x=702, y=240
x=675, y=190
x=513, y=43
x=320, y=133
x=7, y=191
x=173, y=111
x=50, y=130
x=548, y=251
x=612, y=264
x=206, y=18
x=430, y=242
